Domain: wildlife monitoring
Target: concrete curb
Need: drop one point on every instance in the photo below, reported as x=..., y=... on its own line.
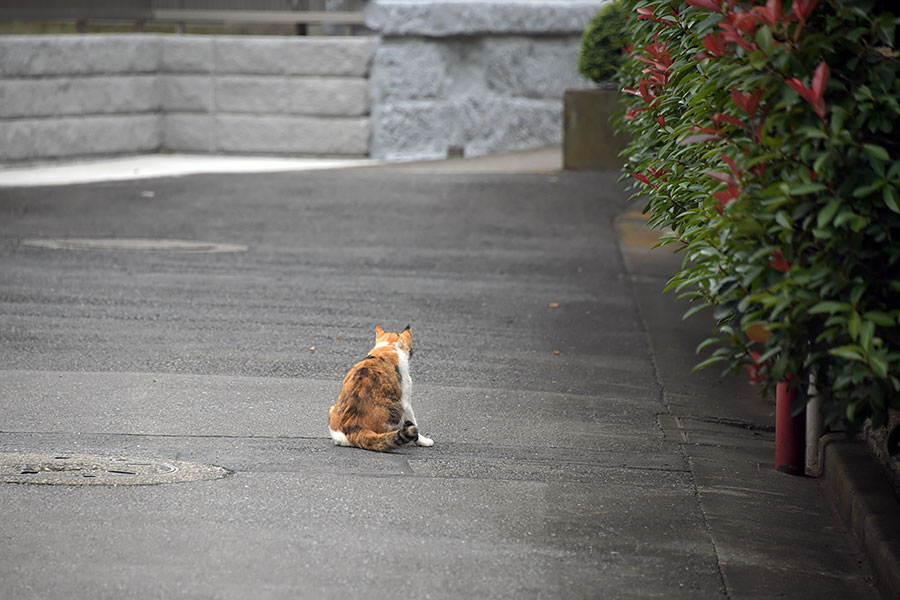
x=851, y=476
x=867, y=503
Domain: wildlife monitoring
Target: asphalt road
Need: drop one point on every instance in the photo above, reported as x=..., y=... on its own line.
x=551, y=475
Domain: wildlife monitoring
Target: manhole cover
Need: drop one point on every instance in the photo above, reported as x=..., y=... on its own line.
x=133, y=244
x=90, y=469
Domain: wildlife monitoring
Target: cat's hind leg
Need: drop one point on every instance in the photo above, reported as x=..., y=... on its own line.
x=409, y=415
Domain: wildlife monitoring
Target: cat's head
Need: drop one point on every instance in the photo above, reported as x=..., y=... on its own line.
x=404, y=338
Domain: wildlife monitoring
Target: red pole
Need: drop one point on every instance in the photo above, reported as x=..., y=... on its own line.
x=790, y=432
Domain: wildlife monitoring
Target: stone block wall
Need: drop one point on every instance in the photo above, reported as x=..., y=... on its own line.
x=272, y=95
x=484, y=76
x=69, y=95
x=84, y=95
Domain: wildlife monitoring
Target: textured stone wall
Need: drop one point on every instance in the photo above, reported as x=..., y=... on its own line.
x=68, y=96
x=484, y=76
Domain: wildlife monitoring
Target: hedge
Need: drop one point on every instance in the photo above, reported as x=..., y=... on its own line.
x=766, y=139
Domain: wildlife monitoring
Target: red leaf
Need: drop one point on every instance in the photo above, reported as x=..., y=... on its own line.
x=718, y=117
x=645, y=12
x=798, y=86
x=631, y=90
x=720, y=176
x=758, y=332
x=815, y=94
x=712, y=43
x=771, y=13
x=730, y=34
x=693, y=139
x=804, y=8
x=737, y=172
x=726, y=196
x=661, y=120
x=748, y=102
x=647, y=92
x=633, y=113
x=777, y=262
x=709, y=5
x=747, y=22
x=641, y=178
x=820, y=80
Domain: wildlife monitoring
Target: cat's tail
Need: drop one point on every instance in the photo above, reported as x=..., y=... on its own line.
x=383, y=442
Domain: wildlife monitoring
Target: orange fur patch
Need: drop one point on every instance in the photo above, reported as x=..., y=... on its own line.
x=369, y=410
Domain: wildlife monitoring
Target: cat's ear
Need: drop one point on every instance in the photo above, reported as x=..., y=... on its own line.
x=407, y=328
x=406, y=334
x=378, y=332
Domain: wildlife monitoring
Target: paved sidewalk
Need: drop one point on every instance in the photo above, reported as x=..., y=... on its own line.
x=575, y=456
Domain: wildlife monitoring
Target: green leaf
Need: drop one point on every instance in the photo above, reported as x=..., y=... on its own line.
x=827, y=212
x=876, y=152
x=866, y=333
x=879, y=365
x=764, y=38
x=828, y=306
x=892, y=198
x=850, y=352
x=709, y=342
x=880, y=318
x=694, y=310
x=853, y=325
x=812, y=132
x=802, y=189
x=709, y=361
x=782, y=218
x=864, y=190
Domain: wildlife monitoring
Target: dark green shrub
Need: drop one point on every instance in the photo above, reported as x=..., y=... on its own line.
x=767, y=136
x=600, y=53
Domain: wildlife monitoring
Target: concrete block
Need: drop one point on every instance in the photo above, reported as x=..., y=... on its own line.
x=26, y=56
x=425, y=129
x=513, y=124
x=437, y=18
x=331, y=56
x=532, y=67
x=187, y=54
x=589, y=140
x=293, y=135
x=188, y=133
x=187, y=93
x=53, y=97
x=332, y=96
x=410, y=69
x=416, y=129
x=31, y=139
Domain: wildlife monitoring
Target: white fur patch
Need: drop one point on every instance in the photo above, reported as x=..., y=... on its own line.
x=339, y=438
x=405, y=378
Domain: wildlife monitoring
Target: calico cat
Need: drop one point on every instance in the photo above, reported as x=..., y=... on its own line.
x=373, y=410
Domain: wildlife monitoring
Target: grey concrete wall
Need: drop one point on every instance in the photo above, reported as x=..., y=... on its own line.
x=84, y=95
x=485, y=76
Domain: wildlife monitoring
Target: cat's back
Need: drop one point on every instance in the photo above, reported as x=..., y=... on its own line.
x=375, y=377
